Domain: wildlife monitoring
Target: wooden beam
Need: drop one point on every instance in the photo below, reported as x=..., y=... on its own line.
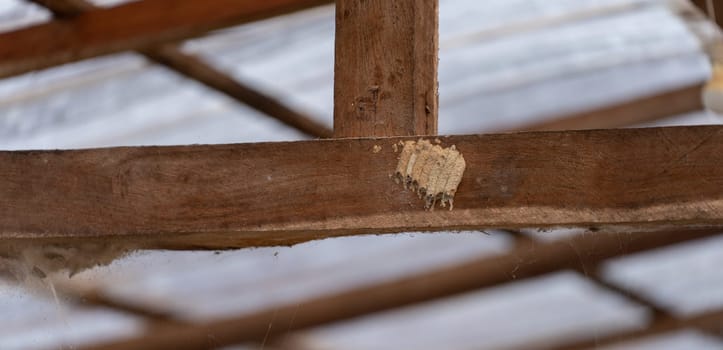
x=527, y=260
x=657, y=313
x=385, y=72
x=711, y=321
x=712, y=8
x=195, y=68
x=641, y=110
x=130, y=26
x=282, y=193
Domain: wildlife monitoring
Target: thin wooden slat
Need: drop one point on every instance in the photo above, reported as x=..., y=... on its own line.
x=527, y=260
x=279, y=193
x=713, y=9
x=641, y=110
x=385, y=70
x=195, y=68
x=711, y=321
x=130, y=26
x=658, y=314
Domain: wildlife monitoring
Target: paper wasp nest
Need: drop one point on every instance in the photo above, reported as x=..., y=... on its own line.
x=431, y=171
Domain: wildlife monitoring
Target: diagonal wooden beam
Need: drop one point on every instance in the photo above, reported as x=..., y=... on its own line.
x=130, y=26
x=527, y=260
x=712, y=8
x=658, y=314
x=195, y=68
x=280, y=193
x=683, y=100
x=710, y=321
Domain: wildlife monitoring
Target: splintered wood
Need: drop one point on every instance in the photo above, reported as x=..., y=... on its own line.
x=431, y=171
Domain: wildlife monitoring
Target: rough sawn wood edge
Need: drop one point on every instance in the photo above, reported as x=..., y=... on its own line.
x=282, y=193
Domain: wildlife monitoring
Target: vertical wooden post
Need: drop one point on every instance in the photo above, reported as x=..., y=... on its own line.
x=385, y=72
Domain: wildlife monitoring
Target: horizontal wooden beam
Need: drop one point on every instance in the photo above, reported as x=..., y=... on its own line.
x=282, y=193
x=130, y=26
x=640, y=110
x=527, y=260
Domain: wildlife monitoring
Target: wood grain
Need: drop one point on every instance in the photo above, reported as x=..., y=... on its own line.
x=385, y=70
x=130, y=26
x=526, y=260
x=282, y=193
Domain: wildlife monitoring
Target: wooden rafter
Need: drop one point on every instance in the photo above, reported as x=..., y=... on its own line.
x=712, y=8
x=195, y=68
x=130, y=26
x=527, y=260
x=592, y=272
x=683, y=100
x=711, y=321
x=279, y=193
x=241, y=195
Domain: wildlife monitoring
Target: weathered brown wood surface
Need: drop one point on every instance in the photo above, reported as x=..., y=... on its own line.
x=278, y=193
x=130, y=26
x=385, y=73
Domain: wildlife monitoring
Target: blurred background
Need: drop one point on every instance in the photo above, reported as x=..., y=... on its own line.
x=505, y=65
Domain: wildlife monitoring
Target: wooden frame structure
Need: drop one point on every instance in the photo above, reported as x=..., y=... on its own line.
x=209, y=197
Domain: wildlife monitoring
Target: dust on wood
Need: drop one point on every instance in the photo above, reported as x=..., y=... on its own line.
x=431, y=171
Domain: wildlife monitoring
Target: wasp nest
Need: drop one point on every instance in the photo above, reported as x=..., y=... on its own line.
x=431, y=171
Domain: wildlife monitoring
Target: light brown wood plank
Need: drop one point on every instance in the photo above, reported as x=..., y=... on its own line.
x=527, y=260
x=645, y=109
x=195, y=68
x=385, y=72
x=130, y=26
x=281, y=193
